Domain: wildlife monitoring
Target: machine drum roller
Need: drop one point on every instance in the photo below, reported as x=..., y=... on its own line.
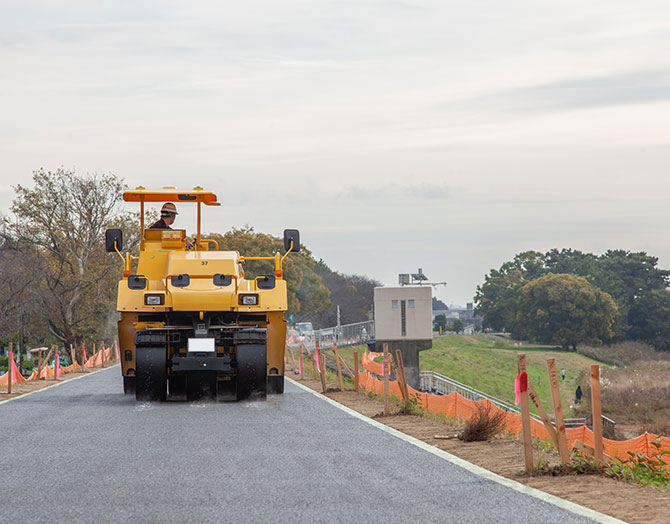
x=251, y=363
x=151, y=381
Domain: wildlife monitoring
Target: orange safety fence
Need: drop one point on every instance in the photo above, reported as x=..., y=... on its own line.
x=49, y=371
x=455, y=405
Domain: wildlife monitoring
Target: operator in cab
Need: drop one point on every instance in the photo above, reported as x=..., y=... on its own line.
x=168, y=214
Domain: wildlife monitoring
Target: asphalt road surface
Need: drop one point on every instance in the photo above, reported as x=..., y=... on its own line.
x=84, y=452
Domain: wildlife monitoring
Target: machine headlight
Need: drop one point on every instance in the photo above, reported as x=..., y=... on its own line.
x=154, y=300
x=248, y=300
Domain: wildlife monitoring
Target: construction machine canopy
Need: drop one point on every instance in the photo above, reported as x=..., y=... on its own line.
x=195, y=195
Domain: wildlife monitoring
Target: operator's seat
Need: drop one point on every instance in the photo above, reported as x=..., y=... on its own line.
x=166, y=238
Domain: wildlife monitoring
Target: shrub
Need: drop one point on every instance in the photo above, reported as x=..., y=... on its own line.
x=483, y=425
x=640, y=469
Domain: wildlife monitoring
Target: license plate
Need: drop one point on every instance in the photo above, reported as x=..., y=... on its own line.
x=201, y=345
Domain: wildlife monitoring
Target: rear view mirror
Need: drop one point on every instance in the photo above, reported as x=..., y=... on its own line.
x=113, y=236
x=292, y=235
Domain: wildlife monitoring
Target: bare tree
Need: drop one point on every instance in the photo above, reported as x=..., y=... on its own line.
x=63, y=218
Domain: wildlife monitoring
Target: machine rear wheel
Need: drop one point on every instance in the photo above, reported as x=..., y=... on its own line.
x=251, y=371
x=276, y=384
x=129, y=385
x=151, y=383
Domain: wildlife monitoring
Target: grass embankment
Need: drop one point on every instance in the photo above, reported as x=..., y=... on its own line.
x=491, y=366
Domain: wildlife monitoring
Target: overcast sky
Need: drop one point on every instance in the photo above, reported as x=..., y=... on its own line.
x=395, y=135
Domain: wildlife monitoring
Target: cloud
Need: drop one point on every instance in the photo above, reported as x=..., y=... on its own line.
x=392, y=192
x=632, y=87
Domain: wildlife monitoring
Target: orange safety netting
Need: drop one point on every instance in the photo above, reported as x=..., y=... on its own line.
x=454, y=405
x=17, y=378
x=50, y=370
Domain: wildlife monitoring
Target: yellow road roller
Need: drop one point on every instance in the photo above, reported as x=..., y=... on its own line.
x=191, y=324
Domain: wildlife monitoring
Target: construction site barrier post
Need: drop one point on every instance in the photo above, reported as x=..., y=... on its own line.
x=323, y=373
x=398, y=376
x=356, y=371
x=543, y=415
x=597, y=415
x=403, y=379
x=385, y=373
x=10, y=369
x=525, y=413
x=300, y=365
x=558, y=412
x=56, y=365
x=339, y=367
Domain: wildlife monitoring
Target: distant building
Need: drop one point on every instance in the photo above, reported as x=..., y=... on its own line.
x=403, y=320
x=466, y=315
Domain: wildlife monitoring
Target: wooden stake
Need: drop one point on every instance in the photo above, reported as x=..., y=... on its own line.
x=314, y=366
x=597, y=415
x=339, y=367
x=525, y=416
x=356, y=371
x=323, y=373
x=588, y=450
x=398, y=377
x=10, y=369
x=102, y=360
x=300, y=364
x=56, y=365
x=39, y=362
x=401, y=368
x=74, y=359
x=558, y=412
x=543, y=415
x=345, y=366
x=44, y=362
x=387, y=401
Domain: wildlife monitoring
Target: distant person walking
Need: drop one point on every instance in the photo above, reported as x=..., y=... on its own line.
x=578, y=395
x=563, y=374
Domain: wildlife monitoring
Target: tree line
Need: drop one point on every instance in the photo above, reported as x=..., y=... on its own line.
x=568, y=297
x=58, y=284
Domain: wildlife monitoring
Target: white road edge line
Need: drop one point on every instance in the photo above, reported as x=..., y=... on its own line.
x=60, y=383
x=472, y=468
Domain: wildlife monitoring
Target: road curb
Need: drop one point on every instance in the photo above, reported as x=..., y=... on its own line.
x=472, y=468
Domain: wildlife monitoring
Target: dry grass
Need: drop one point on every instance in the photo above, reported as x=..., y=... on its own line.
x=623, y=353
x=483, y=425
x=636, y=396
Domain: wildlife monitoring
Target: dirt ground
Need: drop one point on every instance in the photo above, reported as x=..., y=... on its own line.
x=634, y=504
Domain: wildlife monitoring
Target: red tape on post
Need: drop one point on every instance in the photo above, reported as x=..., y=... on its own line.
x=523, y=382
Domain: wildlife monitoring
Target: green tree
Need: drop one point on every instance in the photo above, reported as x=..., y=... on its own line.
x=626, y=276
x=306, y=291
x=649, y=319
x=440, y=323
x=457, y=326
x=564, y=309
